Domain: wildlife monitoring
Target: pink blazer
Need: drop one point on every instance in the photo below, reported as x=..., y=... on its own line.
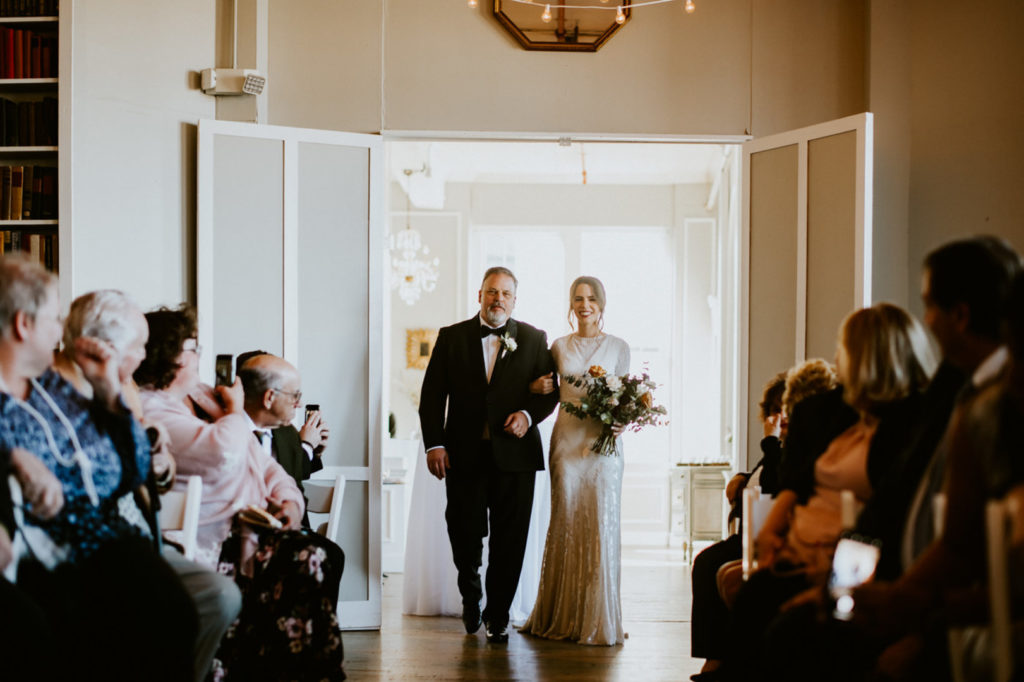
x=236, y=472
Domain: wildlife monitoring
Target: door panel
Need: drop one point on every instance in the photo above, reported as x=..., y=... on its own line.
x=806, y=251
x=287, y=259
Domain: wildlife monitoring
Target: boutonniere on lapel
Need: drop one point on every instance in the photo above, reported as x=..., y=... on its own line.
x=508, y=342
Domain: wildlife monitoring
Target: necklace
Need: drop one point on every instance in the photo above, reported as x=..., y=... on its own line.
x=79, y=457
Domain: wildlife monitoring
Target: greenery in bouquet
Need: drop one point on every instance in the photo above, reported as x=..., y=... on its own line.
x=627, y=400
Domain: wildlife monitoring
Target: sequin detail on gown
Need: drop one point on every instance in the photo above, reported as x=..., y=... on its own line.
x=578, y=598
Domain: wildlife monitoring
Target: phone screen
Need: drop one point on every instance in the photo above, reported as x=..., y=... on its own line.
x=853, y=564
x=223, y=370
x=310, y=409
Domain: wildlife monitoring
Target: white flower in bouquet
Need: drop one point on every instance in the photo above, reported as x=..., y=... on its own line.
x=610, y=400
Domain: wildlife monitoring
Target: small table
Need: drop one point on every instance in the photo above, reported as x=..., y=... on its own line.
x=697, y=494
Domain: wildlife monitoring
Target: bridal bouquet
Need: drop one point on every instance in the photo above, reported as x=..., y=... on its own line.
x=626, y=400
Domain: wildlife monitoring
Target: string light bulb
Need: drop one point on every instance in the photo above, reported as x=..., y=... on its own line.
x=472, y=3
x=546, y=15
x=689, y=6
x=620, y=16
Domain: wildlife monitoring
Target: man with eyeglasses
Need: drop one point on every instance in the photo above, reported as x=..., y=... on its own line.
x=272, y=392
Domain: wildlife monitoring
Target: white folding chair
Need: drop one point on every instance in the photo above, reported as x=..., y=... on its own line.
x=326, y=495
x=999, y=517
x=755, y=511
x=179, y=511
x=849, y=509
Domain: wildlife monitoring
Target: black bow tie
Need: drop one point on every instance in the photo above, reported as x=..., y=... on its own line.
x=486, y=331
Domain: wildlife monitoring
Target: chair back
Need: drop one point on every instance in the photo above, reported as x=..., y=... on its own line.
x=755, y=511
x=999, y=518
x=179, y=510
x=325, y=495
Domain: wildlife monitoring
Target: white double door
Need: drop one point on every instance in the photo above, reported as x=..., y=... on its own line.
x=289, y=259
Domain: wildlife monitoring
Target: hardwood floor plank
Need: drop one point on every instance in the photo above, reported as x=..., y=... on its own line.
x=656, y=615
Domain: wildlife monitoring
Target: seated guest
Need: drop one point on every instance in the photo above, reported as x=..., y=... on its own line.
x=884, y=363
x=272, y=392
x=719, y=564
x=111, y=316
x=709, y=615
x=117, y=610
x=287, y=628
x=985, y=439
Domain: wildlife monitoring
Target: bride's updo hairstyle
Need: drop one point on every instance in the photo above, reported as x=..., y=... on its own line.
x=597, y=288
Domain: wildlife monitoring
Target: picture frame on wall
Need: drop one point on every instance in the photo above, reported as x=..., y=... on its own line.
x=419, y=344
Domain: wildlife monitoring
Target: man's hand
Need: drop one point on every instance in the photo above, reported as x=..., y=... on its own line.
x=311, y=431
x=325, y=434
x=40, y=488
x=99, y=364
x=291, y=515
x=437, y=462
x=232, y=397
x=734, y=487
x=543, y=385
x=516, y=425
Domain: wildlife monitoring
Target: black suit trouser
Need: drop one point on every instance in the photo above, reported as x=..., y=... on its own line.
x=478, y=495
x=709, y=622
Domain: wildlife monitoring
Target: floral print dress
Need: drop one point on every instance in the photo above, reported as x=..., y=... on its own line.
x=288, y=628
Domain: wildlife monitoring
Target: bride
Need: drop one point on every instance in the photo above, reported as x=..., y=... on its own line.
x=578, y=598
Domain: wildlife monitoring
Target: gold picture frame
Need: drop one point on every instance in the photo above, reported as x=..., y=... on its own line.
x=419, y=344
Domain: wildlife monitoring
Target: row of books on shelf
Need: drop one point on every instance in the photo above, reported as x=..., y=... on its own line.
x=27, y=54
x=28, y=192
x=28, y=8
x=40, y=248
x=32, y=123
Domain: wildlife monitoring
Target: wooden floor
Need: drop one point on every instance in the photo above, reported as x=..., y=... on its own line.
x=656, y=610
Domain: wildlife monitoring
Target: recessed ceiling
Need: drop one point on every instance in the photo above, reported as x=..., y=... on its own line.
x=606, y=163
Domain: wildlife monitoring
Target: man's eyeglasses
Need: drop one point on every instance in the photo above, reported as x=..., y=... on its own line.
x=191, y=345
x=296, y=396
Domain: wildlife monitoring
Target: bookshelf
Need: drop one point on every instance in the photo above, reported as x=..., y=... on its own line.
x=33, y=136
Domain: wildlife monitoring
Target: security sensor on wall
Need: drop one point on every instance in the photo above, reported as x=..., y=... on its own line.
x=232, y=82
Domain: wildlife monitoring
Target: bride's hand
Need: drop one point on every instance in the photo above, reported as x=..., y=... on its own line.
x=617, y=429
x=543, y=385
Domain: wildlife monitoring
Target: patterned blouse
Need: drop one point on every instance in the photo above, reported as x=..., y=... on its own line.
x=114, y=444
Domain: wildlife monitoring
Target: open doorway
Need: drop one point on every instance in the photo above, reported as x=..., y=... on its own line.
x=657, y=223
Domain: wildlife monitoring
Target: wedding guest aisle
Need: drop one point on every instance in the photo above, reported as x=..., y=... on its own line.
x=656, y=614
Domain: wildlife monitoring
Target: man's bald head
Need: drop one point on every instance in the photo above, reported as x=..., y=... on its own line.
x=272, y=389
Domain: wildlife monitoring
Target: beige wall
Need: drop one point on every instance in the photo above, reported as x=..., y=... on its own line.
x=967, y=143
x=414, y=65
x=133, y=149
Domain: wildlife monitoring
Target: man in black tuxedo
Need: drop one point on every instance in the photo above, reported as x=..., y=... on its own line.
x=272, y=393
x=479, y=422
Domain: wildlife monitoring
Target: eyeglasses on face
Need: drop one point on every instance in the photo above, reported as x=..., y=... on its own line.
x=296, y=396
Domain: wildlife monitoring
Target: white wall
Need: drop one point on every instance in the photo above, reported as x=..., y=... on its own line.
x=134, y=110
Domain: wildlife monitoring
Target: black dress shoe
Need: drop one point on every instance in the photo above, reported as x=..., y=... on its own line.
x=471, y=617
x=497, y=634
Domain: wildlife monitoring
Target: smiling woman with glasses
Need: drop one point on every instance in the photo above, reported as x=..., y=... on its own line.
x=212, y=437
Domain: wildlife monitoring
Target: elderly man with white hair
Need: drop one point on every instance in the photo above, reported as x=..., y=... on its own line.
x=113, y=317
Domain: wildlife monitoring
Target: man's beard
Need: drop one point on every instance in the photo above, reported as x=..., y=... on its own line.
x=497, y=317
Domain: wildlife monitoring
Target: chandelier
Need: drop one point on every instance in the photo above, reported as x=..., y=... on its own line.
x=412, y=270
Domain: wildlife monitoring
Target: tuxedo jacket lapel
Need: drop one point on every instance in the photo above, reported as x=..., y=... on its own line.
x=503, y=353
x=475, y=350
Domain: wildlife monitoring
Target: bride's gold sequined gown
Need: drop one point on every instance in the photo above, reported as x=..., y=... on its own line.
x=578, y=598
